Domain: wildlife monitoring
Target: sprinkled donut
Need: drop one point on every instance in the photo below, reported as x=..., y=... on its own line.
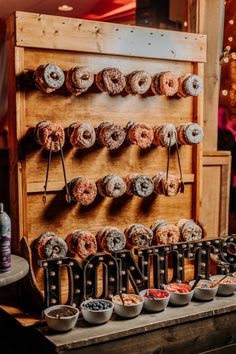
x=189, y=230
x=49, y=77
x=82, y=135
x=165, y=135
x=110, y=135
x=110, y=80
x=49, y=135
x=169, y=189
x=181, y=135
x=138, y=235
x=164, y=232
x=81, y=243
x=111, y=186
x=138, y=82
x=181, y=92
x=155, y=84
x=139, y=185
x=48, y=245
x=189, y=133
x=165, y=83
x=193, y=85
x=139, y=134
x=82, y=190
x=78, y=80
x=111, y=239
x=156, y=140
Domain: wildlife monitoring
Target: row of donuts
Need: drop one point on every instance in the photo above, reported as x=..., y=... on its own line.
x=83, y=135
x=83, y=243
x=84, y=191
x=50, y=77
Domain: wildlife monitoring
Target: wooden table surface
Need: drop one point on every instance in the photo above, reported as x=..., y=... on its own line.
x=19, y=268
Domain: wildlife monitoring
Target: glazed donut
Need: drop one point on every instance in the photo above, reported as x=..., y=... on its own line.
x=49, y=77
x=111, y=186
x=48, y=135
x=164, y=232
x=181, y=135
x=181, y=92
x=193, y=133
x=138, y=235
x=110, y=135
x=82, y=190
x=48, y=245
x=139, y=185
x=166, y=135
x=82, y=135
x=110, y=80
x=165, y=83
x=78, y=80
x=139, y=134
x=161, y=187
x=193, y=85
x=81, y=243
x=111, y=239
x=138, y=82
x=156, y=140
x=189, y=230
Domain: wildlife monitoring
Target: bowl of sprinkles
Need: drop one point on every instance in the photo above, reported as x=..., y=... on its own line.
x=97, y=311
x=128, y=305
x=155, y=300
x=205, y=290
x=180, y=293
x=226, y=284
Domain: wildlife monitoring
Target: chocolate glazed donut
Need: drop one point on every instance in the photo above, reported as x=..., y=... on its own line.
x=139, y=134
x=81, y=243
x=139, y=185
x=48, y=134
x=110, y=80
x=82, y=190
x=48, y=245
x=110, y=135
x=111, y=239
x=189, y=230
x=138, y=82
x=49, y=77
x=164, y=232
x=82, y=135
x=137, y=235
x=111, y=186
x=78, y=80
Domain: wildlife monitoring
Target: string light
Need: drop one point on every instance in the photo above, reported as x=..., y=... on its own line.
x=226, y=59
x=224, y=92
x=65, y=8
x=230, y=39
x=233, y=55
x=228, y=47
x=231, y=22
x=185, y=24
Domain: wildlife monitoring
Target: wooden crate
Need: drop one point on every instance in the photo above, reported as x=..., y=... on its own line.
x=39, y=39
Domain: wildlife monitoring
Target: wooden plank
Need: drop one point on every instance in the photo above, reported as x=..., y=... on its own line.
x=54, y=32
x=224, y=202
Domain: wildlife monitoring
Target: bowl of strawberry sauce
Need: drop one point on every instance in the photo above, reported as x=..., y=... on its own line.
x=155, y=300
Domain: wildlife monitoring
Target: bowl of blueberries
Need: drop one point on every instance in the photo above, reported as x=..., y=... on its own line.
x=97, y=311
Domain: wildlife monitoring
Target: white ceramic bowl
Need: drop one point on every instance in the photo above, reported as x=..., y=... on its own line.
x=97, y=317
x=155, y=304
x=225, y=289
x=180, y=299
x=204, y=294
x=60, y=323
x=128, y=311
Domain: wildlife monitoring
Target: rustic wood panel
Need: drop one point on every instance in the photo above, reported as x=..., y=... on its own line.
x=99, y=37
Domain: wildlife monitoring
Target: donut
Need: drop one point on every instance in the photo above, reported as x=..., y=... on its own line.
x=181, y=92
x=110, y=80
x=110, y=135
x=82, y=135
x=193, y=133
x=193, y=85
x=189, y=230
x=49, y=77
x=111, y=186
x=181, y=135
x=139, y=134
x=139, y=185
x=165, y=83
x=111, y=239
x=156, y=140
x=166, y=135
x=82, y=190
x=170, y=188
x=50, y=135
x=138, y=82
x=164, y=232
x=78, y=80
x=81, y=243
x=137, y=235
x=48, y=245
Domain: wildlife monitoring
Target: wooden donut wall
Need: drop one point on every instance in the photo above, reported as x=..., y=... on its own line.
x=38, y=39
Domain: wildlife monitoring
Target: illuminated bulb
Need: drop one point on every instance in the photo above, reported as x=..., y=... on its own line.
x=228, y=47
x=230, y=39
x=231, y=22
x=65, y=8
x=226, y=60
x=224, y=92
x=185, y=24
x=233, y=55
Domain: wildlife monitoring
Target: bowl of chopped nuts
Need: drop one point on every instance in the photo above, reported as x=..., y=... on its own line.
x=97, y=311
